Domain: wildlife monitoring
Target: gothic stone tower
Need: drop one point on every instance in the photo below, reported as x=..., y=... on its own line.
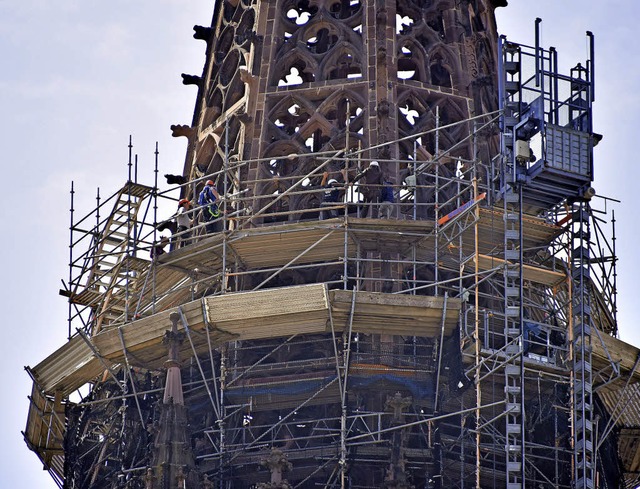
x=294, y=88
x=416, y=323
x=285, y=80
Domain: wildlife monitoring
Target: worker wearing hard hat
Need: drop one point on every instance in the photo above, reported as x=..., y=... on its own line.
x=330, y=197
x=184, y=220
x=372, y=189
x=209, y=200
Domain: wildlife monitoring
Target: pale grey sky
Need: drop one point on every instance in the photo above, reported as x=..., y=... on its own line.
x=79, y=76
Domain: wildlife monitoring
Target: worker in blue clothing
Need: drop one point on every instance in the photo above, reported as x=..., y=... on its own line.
x=331, y=196
x=209, y=201
x=387, y=199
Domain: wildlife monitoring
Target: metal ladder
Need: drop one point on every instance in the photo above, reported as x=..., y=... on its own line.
x=511, y=188
x=110, y=273
x=583, y=428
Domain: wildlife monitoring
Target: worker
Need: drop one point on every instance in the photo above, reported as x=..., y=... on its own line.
x=209, y=200
x=421, y=193
x=157, y=248
x=387, y=199
x=330, y=196
x=184, y=221
x=371, y=190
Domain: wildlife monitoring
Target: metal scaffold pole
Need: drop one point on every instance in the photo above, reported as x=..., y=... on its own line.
x=70, y=287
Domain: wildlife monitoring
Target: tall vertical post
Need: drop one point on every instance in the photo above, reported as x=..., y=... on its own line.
x=221, y=421
x=224, y=205
x=155, y=228
x=437, y=199
x=70, y=286
x=130, y=160
x=583, y=428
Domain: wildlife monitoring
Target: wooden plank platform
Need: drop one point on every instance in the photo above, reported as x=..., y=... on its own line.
x=273, y=246
x=261, y=247
x=395, y=314
x=626, y=404
x=46, y=431
x=69, y=367
x=45, y=428
x=536, y=231
x=621, y=352
x=143, y=338
x=629, y=451
x=534, y=274
x=269, y=313
x=86, y=297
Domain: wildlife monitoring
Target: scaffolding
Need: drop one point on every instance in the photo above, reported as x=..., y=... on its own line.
x=467, y=340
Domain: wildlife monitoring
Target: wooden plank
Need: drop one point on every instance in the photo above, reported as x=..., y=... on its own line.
x=242, y=306
x=536, y=230
x=534, y=274
x=44, y=432
x=277, y=329
x=245, y=315
x=396, y=300
x=623, y=353
x=398, y=314
x=145, y=332
x=74, y=364
x=629, y=449
x=69, y=367
x=277, y=249
x=270, y=313
x=625, y=403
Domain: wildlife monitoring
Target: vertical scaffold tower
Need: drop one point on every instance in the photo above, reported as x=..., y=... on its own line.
x=442, y=318
x=512, y=173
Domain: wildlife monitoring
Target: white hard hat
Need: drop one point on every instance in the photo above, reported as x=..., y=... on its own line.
x=374, y=163
x=332, y=180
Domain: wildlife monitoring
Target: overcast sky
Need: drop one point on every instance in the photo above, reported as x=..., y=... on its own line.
x=78, y=77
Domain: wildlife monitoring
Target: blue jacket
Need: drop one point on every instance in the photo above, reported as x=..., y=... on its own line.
x=206, y=196
x=386, y=193
x=331, y=193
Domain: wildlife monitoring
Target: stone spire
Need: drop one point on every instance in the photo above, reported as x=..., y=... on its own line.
x=397, y=477
x=173, y=386
x=173, y=460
